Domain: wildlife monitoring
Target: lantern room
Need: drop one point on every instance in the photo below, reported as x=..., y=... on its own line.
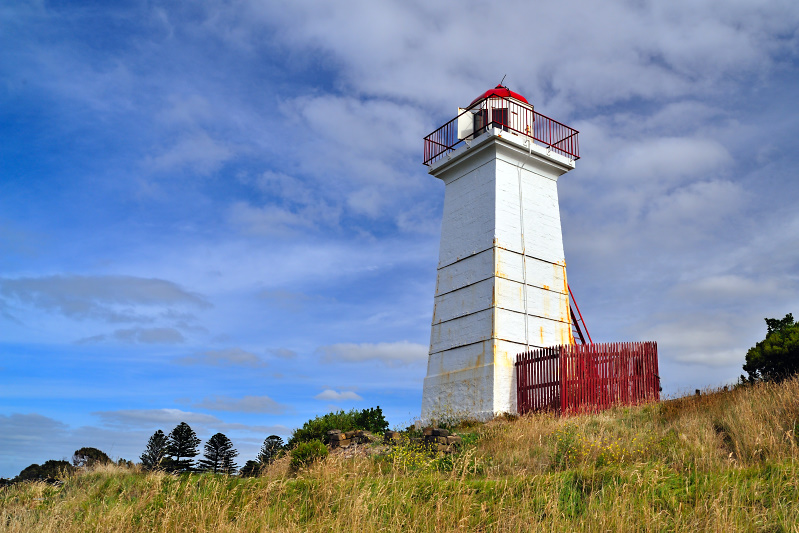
x=498, y=106
x=505, y=110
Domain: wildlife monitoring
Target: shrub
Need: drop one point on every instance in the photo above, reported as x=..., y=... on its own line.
x=777, y=356
x=317, y=428
x=88, y=456
x=49, y=469
x=306, y=453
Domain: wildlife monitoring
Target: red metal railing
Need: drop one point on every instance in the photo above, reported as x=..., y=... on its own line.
x=586, y=378
x=507, y=114
x=579, y=332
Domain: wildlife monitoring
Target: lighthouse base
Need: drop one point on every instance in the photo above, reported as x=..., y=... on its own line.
x=477, y=381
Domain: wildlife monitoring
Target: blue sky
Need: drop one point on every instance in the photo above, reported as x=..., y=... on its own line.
x=217, y=212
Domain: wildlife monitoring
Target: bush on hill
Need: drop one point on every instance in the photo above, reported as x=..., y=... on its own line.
x=48, y=469
x=371, y=419
x=307, y=453
x=87, y=456
x=776, y=357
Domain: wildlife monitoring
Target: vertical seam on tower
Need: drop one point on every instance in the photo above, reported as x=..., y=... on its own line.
x=524, y=256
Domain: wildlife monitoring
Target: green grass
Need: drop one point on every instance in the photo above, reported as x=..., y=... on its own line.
x=724, y=462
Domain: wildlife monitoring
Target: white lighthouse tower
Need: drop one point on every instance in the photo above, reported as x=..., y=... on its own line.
x=501, y=286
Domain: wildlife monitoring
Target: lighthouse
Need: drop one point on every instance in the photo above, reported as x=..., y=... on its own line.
x=501, y=285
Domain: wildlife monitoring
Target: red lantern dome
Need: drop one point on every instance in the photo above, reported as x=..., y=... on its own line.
x=503, y=92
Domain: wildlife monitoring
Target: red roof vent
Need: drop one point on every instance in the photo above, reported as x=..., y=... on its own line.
x=502, y=91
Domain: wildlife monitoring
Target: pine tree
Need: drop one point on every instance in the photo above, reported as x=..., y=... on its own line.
x=272, y=445
x=156, y=451
x=229, y=466
x=219, y=455
x=183, y=443
x=250, y=469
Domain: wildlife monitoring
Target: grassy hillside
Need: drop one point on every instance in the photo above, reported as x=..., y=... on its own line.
x=726, y=461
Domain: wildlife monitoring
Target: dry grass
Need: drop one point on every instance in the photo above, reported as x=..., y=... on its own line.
x=724, y=462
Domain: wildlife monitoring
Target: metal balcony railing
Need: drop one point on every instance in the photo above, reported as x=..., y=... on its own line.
x=507, y=114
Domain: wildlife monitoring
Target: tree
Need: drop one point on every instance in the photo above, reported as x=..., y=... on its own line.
x=219, y=455
x=183, y=443
x=371, y=420
x=776, y=357
x=156, y=451
x=272, y=445
x=229, y=466
x=49, y=469
x=86, y=457
x=250, y=469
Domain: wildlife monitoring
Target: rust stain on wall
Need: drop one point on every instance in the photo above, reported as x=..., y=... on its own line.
x=497, y=270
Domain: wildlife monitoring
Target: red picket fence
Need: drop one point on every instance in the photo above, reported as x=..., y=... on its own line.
x=588, y=377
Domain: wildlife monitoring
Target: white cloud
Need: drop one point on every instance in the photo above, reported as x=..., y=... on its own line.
x=282, y=353
x=728, y=287
x=281, y=271
x=105, y=297
x=153, y=417
x=603, y=53
x=285, y=187
x=139, y=336
x=197, y=152
x=665, y=161
x=693, y=338
x=389, y=353
x=246, y=404
x=269, y=220
x=334, y=396
x=188, y=110
x=27, y=428
x=166, y=419
x=695, y=208
x=225, y=357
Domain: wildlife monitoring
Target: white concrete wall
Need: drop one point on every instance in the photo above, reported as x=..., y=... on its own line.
x=469, y=215
x=489, y=268
x=470, y=270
